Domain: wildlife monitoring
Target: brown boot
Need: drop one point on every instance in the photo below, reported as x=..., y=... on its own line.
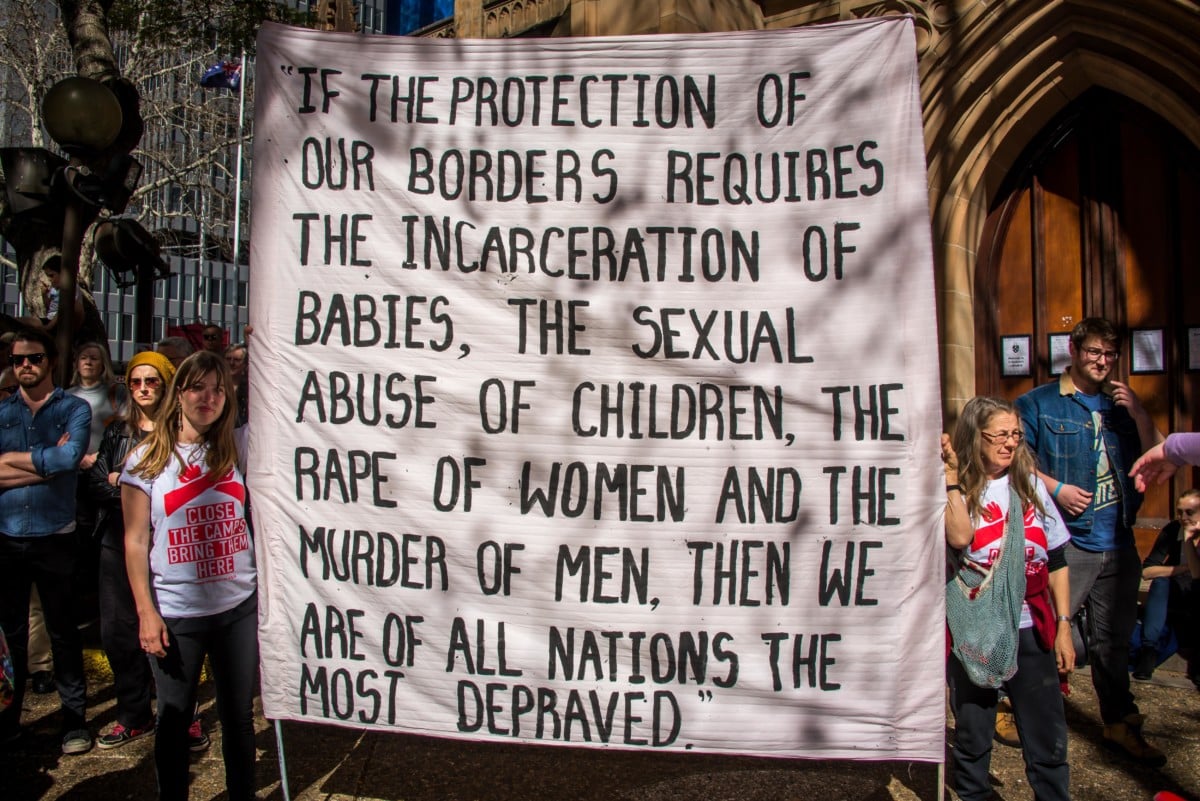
x=1006, y=725
x=1127, y=736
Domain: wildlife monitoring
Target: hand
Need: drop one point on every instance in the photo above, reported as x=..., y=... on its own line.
x=949, y=457
x=88, y=460
x=1064, y=649
x=1122, y=395
x=153, y=634
x=1152, y=467
x=64, y=439
x=1072, y=499
x=114, y=478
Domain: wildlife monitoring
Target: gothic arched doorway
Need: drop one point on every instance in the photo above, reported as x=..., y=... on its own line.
x=1101, y=217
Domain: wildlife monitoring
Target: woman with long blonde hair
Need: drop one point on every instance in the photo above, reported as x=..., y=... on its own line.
x=190, y=559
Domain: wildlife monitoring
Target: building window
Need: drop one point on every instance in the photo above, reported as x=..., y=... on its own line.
x=415, y=14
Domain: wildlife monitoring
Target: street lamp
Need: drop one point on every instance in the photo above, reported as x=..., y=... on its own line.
x=84, y=117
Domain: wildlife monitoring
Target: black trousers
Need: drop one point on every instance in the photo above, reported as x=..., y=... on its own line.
x=49, y=562
x=230, y=640
x=132, y=677
x=1037, y=703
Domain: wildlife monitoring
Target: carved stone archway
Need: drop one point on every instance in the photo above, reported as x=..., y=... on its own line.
x=997, y=81
x=993, y=75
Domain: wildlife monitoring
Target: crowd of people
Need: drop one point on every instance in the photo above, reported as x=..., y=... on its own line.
x=1043, y=570
x=96, y=479
x=1056, y=478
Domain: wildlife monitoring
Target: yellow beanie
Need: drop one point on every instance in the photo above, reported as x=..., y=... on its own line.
x=156, y=360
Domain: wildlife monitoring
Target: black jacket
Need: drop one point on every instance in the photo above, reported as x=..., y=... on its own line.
x=115, y=446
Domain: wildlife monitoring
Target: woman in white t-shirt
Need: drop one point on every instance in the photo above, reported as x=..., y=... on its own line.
x=985, y=463
x=190, y=559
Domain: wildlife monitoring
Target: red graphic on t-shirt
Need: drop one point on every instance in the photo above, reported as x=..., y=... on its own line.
x=191, y=488
x=992, y=531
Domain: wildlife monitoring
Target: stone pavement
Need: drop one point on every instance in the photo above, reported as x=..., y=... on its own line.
x=325, y=763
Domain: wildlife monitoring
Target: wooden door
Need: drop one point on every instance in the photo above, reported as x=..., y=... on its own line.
x=1100, y=218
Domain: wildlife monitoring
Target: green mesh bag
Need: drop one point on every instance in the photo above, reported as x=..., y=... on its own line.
x=984, y=611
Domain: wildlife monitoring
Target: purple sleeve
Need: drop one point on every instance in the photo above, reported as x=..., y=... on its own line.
x=1183, y=448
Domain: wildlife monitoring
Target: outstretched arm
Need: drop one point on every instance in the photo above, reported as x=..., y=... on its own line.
x=1160, y=462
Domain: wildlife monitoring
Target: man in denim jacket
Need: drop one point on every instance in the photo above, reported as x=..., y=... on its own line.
x=43, y=435
x=1086, y=431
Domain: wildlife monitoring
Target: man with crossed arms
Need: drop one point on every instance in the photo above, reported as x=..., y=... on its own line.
x=43, y=434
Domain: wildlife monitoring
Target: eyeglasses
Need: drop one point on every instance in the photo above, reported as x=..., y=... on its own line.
x=16, y=360
x=211, y=336
x=149, y=383
x=1094, y=354
x=1001, y=437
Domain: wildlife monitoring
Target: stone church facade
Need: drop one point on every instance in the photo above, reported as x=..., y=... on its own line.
x=1063, y=150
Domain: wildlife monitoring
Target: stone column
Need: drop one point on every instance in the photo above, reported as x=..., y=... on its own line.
x=468, y=19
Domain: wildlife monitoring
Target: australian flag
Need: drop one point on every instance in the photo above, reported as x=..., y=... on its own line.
x=226, y=75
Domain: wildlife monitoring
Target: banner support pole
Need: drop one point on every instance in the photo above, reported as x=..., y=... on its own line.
x=283, y=781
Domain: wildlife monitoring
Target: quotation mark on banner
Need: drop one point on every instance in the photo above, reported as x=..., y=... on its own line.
x=286, y=69
x=705, y=695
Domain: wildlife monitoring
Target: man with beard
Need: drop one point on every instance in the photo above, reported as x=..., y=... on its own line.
x=1086, y=429
x=43, y=435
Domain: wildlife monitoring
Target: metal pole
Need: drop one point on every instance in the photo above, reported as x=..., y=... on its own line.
x=144, y=306
x=237, y=169
x=283, y=781
x=64, y=326
x=201, y=277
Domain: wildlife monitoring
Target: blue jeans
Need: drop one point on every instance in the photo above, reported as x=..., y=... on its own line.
x=1108, y=582
x=230, y=640
x=1041, y=723
x=1154, y=612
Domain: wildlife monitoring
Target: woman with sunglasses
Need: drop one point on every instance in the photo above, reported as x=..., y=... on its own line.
x=990, y=476
x=191, y=568
x=146, y=378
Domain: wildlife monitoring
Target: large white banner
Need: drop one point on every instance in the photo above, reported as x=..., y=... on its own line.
x=595, y=390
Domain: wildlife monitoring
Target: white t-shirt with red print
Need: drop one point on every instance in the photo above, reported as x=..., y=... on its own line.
x=1043, y=533
x=201, y=553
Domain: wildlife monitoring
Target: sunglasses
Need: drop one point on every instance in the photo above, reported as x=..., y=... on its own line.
x=16, y=360
x=211, y=336
x=148, y=383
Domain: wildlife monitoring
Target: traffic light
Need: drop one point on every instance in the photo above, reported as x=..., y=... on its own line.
x=29, y=174
x=129, y=251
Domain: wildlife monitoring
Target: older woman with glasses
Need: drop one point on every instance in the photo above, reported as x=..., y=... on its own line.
x=1009, y=580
